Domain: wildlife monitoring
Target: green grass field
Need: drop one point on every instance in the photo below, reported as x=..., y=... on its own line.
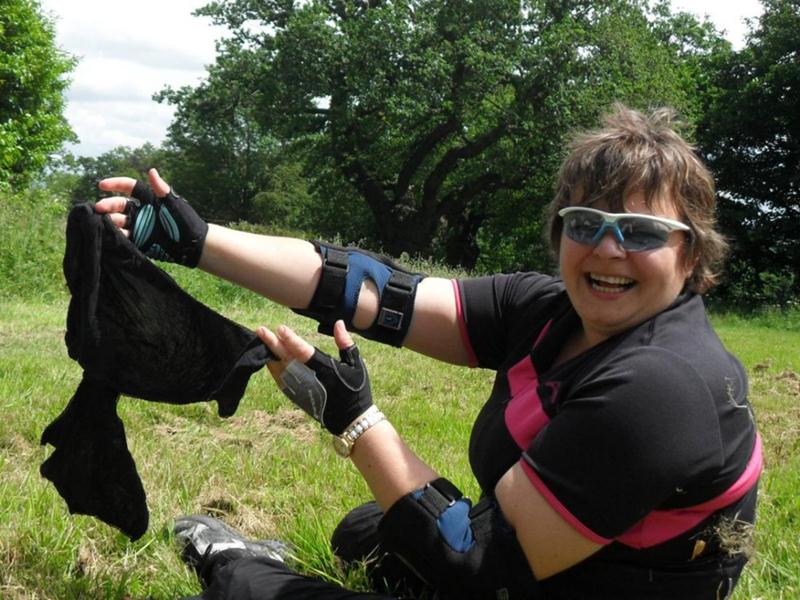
x=269, y=471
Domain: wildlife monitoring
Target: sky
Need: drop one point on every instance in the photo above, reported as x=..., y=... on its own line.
x=128, y=50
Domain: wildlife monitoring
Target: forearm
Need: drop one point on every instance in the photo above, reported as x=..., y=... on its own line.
x=388, y=465
x=285, y=270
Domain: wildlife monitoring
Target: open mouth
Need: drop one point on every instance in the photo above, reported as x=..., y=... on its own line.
x=609, y=284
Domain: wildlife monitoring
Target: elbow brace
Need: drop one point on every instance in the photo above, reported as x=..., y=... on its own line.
x=336, y=296
x=462, y=551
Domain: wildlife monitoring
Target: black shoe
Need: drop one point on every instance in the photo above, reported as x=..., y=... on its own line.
x=204, y=538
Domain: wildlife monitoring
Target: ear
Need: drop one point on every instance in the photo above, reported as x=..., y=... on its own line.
x=690, y=259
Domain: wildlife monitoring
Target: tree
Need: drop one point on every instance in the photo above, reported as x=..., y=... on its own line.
x=751, y=138
x=218, y=154
x=438, y=126
x=120, y=161
x=32, y=84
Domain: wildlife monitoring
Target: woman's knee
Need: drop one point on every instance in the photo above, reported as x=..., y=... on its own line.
x=356, y=537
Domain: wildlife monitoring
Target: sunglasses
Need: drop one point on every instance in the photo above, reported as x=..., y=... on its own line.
x=635, y=232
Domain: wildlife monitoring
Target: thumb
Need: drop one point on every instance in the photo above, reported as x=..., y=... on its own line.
x=158, y=185
x=342, y=336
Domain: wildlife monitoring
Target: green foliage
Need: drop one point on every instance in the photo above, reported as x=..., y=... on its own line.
x=434, y=128
x=31, y=245
x=748, y=289
x=751, y=137
x=217, y=153
x=117, y=162
x=32, y=83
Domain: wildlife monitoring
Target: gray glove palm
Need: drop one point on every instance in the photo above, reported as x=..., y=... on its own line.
x=334, y=392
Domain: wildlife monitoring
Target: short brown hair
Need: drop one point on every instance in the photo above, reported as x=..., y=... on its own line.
x=636, y=152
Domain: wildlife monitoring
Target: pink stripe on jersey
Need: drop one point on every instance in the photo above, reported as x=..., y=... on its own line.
x=524, y=414
x=659, y=525
x=522, y=375
x=462, y=326
x=662, y=525
x=560, y=508
x=542, y=333
x=746, y=481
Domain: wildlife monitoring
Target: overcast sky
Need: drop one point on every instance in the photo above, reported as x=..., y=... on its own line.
x=129, y=50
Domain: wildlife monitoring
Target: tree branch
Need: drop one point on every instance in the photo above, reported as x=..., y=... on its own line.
x=370, y=188
x=338, y=8
x=451, y=159
x=422, y=147
x=346, y=153
x=482, y=184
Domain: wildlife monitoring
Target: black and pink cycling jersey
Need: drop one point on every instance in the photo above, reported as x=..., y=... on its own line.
x=645, y=443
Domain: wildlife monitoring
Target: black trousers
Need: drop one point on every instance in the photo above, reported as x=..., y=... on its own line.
x=232, y=576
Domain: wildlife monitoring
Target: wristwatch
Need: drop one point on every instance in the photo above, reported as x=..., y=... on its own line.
x=343, y=444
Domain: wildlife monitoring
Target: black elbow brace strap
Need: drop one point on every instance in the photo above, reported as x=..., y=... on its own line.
x=462, y=551
x=336, y=296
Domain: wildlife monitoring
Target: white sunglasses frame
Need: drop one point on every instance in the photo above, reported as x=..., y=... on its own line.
x=612, y=218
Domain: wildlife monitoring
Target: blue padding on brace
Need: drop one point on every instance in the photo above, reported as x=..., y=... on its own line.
x=361, y=267
x=454, y=524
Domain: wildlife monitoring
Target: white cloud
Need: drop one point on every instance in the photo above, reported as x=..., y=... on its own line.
x=129, y=50
x=727, y=15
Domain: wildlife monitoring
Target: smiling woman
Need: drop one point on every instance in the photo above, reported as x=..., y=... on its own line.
x=623, y=268
x=616, y=443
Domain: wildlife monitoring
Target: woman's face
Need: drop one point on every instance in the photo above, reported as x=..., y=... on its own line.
x=613, y=290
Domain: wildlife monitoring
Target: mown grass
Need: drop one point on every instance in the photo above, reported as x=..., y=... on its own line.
x=271, y=473
x=268, y=470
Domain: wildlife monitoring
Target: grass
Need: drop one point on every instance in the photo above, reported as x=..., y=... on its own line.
x=769, y=348
x=268, y=470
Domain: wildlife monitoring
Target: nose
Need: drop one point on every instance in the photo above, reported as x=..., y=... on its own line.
x=609, y=246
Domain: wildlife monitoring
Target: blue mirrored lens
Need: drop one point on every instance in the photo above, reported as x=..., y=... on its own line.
x=632, y=233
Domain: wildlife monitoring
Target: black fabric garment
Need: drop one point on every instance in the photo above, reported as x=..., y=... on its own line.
x=135, y=332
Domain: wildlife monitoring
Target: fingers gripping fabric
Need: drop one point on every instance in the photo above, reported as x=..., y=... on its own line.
x=462, y=551
x=344, y=270
x=333, y=392
x=165, y=228
x=135, y=332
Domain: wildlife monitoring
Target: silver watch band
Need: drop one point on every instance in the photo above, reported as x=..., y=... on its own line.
x=371, y=417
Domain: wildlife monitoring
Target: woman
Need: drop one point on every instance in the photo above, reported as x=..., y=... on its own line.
x=617, y=453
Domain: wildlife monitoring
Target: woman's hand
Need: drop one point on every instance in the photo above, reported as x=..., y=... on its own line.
x=116, y=207
x=334, y=392
x=160, y=223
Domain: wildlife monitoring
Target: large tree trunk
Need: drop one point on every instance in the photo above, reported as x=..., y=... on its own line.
x=413, y=233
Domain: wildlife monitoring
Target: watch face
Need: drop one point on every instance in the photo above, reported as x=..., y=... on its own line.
x=342, y=447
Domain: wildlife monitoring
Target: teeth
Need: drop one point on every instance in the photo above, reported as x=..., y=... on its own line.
x=613, y=283
x=609, y=290
x=611, y=279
